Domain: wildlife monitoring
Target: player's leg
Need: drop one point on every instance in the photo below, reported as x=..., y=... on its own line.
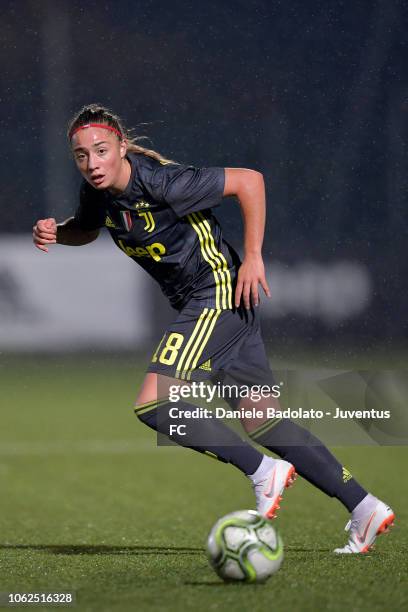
x=206, y=435
x=272, y=477
x=369, y=516
x=216, y=356
x=310, y=457
x=290, y=441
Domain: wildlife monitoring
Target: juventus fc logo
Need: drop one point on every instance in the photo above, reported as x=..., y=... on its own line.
x=148, y=217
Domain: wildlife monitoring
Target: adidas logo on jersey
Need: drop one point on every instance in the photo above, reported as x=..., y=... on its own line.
x=206, y=366
x=109, y=222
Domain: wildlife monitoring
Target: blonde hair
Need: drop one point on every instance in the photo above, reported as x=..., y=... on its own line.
x=96, y=113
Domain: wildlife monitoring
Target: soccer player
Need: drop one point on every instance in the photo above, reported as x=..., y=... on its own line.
x=158, y=212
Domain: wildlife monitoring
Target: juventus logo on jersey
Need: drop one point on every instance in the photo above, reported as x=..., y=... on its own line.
x=148, y=217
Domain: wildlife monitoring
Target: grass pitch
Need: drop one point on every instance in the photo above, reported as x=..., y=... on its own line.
x=90, y=504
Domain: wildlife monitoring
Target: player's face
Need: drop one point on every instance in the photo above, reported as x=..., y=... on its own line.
x=99, y=156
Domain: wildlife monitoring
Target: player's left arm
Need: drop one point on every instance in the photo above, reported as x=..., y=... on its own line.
x=249, y=187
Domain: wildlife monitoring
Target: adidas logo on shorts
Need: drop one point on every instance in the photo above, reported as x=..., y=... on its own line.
x=206, y=366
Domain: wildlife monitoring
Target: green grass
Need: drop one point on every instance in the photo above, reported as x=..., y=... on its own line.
x=90, y=504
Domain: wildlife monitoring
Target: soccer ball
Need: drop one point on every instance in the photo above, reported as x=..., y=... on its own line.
x=243, y=546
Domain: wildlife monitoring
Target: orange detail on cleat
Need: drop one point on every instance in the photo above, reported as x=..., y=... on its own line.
x=290, y=479
x=366, y=549
x=382, y=529
x=388, y=522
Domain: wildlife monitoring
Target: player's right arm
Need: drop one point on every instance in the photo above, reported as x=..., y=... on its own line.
x=69, y=232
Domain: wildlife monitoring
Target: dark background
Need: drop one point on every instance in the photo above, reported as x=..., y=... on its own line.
x=313, y=94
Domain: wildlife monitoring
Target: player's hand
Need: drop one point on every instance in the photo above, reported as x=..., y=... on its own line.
x=45, y=232
x=251, y=274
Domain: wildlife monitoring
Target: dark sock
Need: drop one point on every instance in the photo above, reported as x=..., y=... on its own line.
x=206, y=435
x=311, y=459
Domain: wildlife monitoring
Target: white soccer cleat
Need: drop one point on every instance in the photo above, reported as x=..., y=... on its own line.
x=363, y=531
x=268, y=491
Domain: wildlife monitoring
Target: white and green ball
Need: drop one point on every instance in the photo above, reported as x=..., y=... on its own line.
x=243, y=546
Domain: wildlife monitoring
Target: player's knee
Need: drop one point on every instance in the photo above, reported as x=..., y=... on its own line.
x=146, y=400
x=148, y=391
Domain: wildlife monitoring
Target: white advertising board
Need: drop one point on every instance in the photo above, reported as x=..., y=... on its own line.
x=71, y=297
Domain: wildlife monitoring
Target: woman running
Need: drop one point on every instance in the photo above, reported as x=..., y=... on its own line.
x=159, y=213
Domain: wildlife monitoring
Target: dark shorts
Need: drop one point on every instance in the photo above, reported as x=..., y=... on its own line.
x=217, y=345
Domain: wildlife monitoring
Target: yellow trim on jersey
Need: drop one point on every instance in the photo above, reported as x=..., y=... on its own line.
x=221, y=256
x=190, y=342
x=216, y=260
x=217, y=264
x=208, y=258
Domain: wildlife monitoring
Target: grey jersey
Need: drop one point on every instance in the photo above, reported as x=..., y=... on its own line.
x=163, y=221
